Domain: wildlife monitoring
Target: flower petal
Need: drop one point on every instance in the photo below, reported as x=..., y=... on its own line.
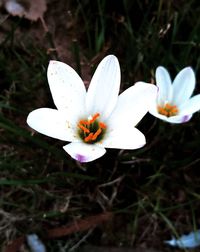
x=53, y=123
x=191, y=106
x=133, y=104
x=124, y=137
x=173, y=119
x=104, y=87
x=163, y=82
x=67, y=88
x=183, y=86
x=179, y=119
x=84, y=152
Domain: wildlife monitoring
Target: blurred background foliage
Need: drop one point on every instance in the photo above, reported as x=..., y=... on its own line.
x=153, y=192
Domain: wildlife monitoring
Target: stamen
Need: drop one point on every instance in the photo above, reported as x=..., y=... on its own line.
x=89, y=137
x=96, y=134
x=91, y=130
x=102, y=125
x=168, y=110
x=84, y=122
x=83, y=128
x=162, y=111
x=94, y=118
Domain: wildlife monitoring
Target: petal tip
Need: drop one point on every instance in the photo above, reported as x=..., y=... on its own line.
x=112, y=58
x=30, y=118
x=81, y=158
x=188, y=71
x=51, y=62
x=161, y=69
x=186, y=118
x=84, y=152
x=189, y=68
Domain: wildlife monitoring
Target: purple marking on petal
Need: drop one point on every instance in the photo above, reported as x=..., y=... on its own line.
x=81, y=158
x=186, y=118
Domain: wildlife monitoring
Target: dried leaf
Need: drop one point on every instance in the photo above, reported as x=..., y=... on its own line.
x=32, y=10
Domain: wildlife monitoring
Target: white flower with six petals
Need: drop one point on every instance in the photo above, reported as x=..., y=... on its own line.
x=96, y=119
x=174, y=103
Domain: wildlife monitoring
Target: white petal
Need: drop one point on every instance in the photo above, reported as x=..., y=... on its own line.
x=155, y=113
x=173, y=119
x=190, y=240
x=180, y=118
x=104, y=87
x=163, y=82
x=133, y=104
x=66, y=87
x=53, y=123
x=84, y=152
x=124, y=137
x=183, y=86
x=191, y=106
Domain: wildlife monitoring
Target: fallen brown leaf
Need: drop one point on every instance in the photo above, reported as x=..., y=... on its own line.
x=80, y=225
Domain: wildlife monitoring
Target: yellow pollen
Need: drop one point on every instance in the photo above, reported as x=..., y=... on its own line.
x=168, y=110
x=91, y=130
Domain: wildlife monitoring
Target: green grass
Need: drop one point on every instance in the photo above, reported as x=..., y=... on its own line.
x=154, y=191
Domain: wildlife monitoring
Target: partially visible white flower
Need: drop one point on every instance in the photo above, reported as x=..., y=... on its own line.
x=190, y=240
x=32, y=10
x=96, y=119
x=15, y=8
x=35, y=243
x=174, y=103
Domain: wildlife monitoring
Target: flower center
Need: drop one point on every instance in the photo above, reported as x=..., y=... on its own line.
x=168, y=110
x=91, y=130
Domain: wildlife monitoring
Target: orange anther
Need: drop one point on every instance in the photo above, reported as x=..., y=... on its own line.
x=84, y=122
x=91, y=129
x=96, y=134
x=102, y=125
x=174, y=110
x=95, y=116
x=162, y=111
x=83, y=128
x=89, y=137
x=168, y=110
x=168, y=106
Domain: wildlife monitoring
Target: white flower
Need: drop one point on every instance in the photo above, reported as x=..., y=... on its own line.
x=96, y=119
x=174, y=103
